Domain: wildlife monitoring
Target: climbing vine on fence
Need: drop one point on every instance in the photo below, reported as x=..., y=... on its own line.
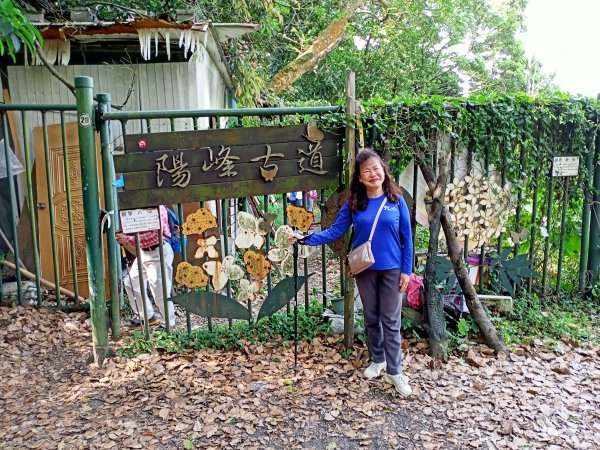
x=513, y=134
x=493, y=128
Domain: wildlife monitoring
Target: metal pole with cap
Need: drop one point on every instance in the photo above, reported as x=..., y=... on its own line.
x=84, y=93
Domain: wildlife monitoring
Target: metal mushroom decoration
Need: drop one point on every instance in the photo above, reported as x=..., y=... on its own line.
x=479, y=207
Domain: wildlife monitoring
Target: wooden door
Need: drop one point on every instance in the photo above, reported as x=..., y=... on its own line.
x=59, y=200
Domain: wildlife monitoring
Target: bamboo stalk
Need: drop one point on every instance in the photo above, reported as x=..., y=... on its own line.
x=43, y=282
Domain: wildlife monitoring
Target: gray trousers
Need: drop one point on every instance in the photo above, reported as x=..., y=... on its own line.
x=379, y=292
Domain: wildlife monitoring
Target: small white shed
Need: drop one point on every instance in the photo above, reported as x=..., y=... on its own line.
x=145, y=64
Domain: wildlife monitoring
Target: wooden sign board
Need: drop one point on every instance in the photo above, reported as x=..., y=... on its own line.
x=565, y=166
x=179, y=167
x=139, y=220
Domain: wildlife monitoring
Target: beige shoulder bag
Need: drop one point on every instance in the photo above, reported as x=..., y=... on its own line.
x=361, y=258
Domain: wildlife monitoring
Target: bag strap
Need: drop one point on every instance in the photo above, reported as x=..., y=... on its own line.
x=377, y=218
x=372, y=228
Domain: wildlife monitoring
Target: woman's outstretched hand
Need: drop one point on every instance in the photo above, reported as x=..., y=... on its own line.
x=294, y=237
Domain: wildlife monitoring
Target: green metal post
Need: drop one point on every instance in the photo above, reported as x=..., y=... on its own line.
x=138, y=259
x=69, y=205
x=563, y=230
x=323, y=251
x=586, y=219
x=32, y=207
x=163, y=280
x=110, y=205
x=550, y=193
x=268, y=244
x=594, y=253
x=225, y=234
x=84, y=93
x=51, y=209
x=13, y=210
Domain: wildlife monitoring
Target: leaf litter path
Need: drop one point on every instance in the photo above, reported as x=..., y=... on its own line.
x=50, y=398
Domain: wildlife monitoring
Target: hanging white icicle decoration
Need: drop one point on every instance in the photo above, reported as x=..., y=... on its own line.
x=56, y=52
x=149, y=45
x=142, y=38
x=156, y=34
x=192, y=41
x=64, y=52
x=168, y=43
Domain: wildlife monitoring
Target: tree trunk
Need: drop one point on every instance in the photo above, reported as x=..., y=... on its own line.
x=487, y=328
x=434, y=304
x=327, y=41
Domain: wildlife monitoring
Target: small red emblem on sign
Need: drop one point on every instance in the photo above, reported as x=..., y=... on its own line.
x=142, y=143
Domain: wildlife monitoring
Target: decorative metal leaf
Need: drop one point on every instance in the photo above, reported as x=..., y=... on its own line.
x=527, y=272
x=506, y=283
x=280, y=295
x=517, y=262
x=211, y=304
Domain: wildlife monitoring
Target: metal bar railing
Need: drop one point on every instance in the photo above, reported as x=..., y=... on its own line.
x=108, y=175
x=13, y=210
x=586, y=216
x=31, y=206
x=549, y=196
x=37, y=108
x=66, y=169
x=50, y=206
x=534, y=227
x=563, y=229
x=323, y=251
x=225, y=231
x=242, y=112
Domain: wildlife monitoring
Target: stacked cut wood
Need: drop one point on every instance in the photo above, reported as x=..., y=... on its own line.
x=479, y=207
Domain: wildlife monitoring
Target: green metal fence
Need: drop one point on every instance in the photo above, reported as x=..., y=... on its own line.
x=21, y=243
x=546, y=198
x=115, y=126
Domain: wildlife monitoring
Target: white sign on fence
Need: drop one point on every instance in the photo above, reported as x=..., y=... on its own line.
x=565, y=166
x=139, y=220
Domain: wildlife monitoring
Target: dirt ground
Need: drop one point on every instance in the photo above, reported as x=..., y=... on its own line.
x=50, y=398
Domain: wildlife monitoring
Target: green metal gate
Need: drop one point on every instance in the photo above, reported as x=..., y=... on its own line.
x=114, y=127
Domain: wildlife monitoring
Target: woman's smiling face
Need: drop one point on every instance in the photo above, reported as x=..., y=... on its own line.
x=371, y=174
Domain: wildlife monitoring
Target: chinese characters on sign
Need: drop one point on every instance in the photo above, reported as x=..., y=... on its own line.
x=200, y=165
x=268, y=171
x=315, y=159
x=223, y=162
x=310, y=161
x=179, y=176
x=565, y=166
x=230, y=159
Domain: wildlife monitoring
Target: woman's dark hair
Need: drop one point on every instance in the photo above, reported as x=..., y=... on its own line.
x=357, y=198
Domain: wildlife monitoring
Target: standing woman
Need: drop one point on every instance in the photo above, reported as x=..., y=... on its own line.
x=380, y=284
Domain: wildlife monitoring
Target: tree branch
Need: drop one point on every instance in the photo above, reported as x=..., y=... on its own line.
x=50, y=67
x=70, y=87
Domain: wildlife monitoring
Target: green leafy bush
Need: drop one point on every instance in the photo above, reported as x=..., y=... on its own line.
x=277, y=328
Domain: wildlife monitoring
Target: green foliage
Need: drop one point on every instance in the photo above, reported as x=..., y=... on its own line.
x=397, y=48
x=15, y=30
x=278, y=327
x=466, y=329
x=412, y=48
x=514, y=135
x=571, y=317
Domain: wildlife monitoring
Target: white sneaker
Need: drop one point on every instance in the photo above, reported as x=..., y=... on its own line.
x=400, y=382
x=374, y=370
